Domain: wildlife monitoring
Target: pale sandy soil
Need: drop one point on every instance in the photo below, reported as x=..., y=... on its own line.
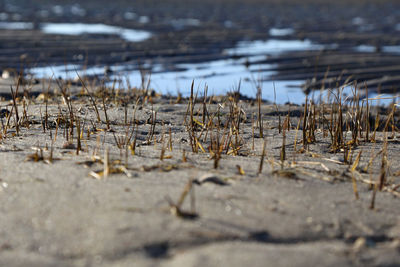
x=302, y=214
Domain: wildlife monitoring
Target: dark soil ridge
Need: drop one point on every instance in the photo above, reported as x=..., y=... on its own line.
x=376, y=71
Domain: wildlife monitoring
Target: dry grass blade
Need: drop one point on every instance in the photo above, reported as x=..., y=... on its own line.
x=105, y=109
x=184, y=193
x=14, y=97
x=356, y=162
x=375, y=189
x=262, y=157
x=384, y=163
x=355, y=190
x=260, y=121
x=178, y=212
x=90, y=97
x=106, y=167
x=176, y=209
x=240, y=170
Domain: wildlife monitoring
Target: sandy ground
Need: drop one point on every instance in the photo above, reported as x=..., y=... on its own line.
x=302, y=214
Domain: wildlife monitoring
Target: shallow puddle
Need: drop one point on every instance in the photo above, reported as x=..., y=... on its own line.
x=281, y=31
x=395, y=49
x=220, y=76
x=16, y=25
x=272, y=46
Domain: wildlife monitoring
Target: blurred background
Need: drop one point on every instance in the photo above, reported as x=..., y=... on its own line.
x=298, y=45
